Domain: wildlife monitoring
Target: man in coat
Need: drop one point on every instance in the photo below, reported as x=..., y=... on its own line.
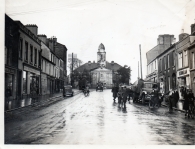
x=115, y=91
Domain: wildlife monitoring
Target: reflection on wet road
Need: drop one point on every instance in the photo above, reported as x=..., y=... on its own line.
x=98, y=120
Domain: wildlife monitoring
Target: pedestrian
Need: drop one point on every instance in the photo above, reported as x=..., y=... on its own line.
x=191, y=103
x=176, y=97
x=115, y=91
x=171, y=99
x=125, y=94
x=186, y=101
x=33, y=90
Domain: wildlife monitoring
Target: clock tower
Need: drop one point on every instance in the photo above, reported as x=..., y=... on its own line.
x=101, y=56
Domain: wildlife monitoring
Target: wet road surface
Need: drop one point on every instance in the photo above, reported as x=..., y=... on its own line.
x=98, y=120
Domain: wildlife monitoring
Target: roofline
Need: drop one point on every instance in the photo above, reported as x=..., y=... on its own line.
x=169, y=48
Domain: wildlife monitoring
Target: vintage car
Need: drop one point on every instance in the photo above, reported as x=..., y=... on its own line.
x=67, y=91
x=100, y=87
x=142, y=90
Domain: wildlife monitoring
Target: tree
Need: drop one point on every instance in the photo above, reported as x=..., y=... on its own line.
x=75, y=63
x=124, y=74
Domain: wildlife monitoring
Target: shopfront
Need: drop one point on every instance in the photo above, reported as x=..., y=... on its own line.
x=31, y=76
x=10, y=81
x=183, y=79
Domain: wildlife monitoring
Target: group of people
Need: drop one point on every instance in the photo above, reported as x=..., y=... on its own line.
x=120, y=91
x=189, y=102
x=173, y=99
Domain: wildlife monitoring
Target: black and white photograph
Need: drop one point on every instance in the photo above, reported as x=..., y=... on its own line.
x=98, y=72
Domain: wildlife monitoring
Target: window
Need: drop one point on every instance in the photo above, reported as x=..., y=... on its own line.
x=9, y=56
x=31, y=53
x=168, y=61
x=35, y=57
x=42, y=65
x=45, y=64
x=180, y=61
x=165, y=62
x=24, y=82
x=47, y=68
x=20, y=48
x=173, y=81
x=26, y=51
x=168, y=83
x=193, y=60
x=185, y=58
x=173, y=58
x=39, y=59
x=160, y=65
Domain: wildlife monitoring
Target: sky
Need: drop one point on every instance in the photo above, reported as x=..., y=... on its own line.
x=121, y=25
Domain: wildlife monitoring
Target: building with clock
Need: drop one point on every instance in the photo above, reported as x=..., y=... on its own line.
x=102, y=70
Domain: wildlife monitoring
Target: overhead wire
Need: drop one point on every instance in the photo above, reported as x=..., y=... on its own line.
x=51, y=9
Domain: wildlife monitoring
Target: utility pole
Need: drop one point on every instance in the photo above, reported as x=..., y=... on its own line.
x=140, y=61
x=138, y=69
x=72, y=71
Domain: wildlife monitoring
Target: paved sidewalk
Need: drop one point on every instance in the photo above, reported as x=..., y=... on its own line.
x=15, y=104
x=179, y=106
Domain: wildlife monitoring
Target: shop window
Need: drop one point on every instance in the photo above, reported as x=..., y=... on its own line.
x=31, y=54
x=9, y=81
x=26, y=51
x=20, y=48
x=24, y=82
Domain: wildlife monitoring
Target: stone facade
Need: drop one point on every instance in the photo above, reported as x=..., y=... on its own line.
x=29, y=66
x=102, y=75
x=167, y=69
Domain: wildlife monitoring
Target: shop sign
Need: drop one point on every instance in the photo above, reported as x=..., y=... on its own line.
x=183, y=72
x=8, y=70
x=31, y=70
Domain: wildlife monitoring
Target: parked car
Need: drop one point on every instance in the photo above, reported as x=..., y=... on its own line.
x=99, y=87
x=142, y=89
x=67, y=91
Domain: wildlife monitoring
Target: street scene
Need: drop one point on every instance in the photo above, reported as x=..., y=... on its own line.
x=99, y=73
x=96, y=119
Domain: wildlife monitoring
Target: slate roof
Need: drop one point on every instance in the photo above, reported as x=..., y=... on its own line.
x=92, y=66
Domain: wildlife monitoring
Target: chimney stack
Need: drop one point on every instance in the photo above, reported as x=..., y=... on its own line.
x=43, y=38
x=33, y=28
x=193, y=28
